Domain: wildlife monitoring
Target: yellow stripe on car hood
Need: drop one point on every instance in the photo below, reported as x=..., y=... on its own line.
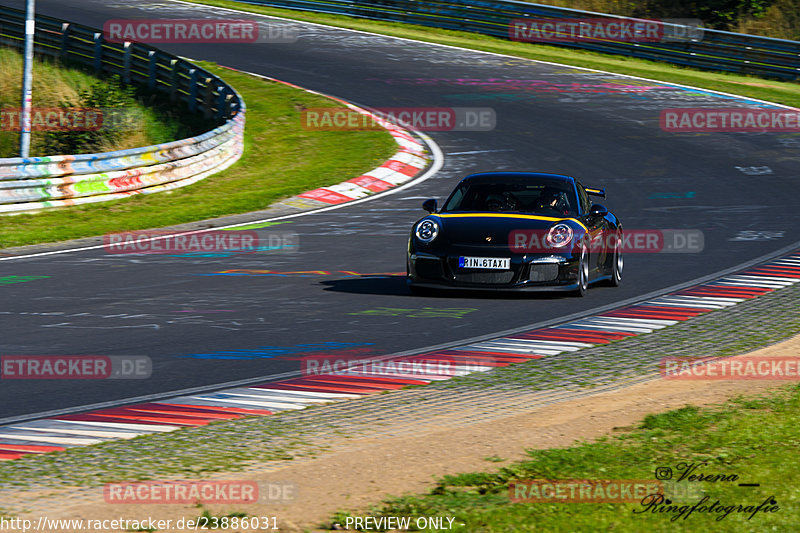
x=504, y=215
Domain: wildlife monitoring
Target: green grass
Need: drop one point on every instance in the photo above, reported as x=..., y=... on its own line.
x=59, y=85
x=280, y=159
x=775, y=91
x=755, y=438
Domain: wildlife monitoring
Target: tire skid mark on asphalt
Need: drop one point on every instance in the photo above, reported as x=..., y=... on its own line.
x=67, y=431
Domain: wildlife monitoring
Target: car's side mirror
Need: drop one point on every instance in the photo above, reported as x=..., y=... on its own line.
x=429, y=205
x=598, y=210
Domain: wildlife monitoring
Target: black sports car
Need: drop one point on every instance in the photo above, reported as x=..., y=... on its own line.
x=516, y=230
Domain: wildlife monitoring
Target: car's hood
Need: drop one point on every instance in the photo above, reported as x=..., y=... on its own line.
x=492, y=229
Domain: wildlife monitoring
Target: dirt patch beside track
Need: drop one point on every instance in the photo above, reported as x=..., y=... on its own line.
x=359, y=470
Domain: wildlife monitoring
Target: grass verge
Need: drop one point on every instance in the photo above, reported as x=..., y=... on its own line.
x=786, y=93
x=280, y=160
x=753, y=439
x=59, y=85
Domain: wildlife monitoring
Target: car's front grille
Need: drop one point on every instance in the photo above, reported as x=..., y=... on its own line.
x=543, y=272
x=496, y=278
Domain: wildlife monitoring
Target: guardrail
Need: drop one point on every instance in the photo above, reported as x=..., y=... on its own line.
x=717, y=50
x=33, y=183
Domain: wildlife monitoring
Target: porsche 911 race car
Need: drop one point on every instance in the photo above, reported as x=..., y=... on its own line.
x=516, y=231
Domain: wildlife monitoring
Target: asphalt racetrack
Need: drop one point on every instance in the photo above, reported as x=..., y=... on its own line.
x=202, y=327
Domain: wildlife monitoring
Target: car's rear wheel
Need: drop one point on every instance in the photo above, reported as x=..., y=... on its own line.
x=583, y=273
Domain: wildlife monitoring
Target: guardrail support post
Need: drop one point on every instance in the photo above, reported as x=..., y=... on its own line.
x=126, y=62
x=64, y=39
x=208, y=97
x=151, y=77
x=173, y=84
x=192, y=89
x=222, y=102
x=98, y=51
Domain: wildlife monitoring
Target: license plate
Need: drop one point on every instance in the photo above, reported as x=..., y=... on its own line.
x=494, y=263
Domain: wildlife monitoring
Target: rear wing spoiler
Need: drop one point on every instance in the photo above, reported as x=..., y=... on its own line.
x=595, y=192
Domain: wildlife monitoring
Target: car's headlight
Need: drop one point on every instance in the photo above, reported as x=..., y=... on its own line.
x=559, y=236
x=427, y=230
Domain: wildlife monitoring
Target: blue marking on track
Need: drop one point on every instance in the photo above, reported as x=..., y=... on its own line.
x=269, y=352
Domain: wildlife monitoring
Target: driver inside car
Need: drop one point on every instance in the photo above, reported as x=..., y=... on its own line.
x=554, y=200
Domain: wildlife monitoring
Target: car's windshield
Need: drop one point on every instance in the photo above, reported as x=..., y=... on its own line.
x=551, y=198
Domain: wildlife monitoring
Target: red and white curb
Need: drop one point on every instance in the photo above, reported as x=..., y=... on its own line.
x=410, y=159
x=66, y=431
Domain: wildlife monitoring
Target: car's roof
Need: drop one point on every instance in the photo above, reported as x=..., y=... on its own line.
x=518, y=176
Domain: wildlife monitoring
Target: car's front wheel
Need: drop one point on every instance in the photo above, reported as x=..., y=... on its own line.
x=617, y=262
x=583, y=273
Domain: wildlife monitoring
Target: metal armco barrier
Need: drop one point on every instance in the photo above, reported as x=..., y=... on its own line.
x=36, y=183
x=716, y=50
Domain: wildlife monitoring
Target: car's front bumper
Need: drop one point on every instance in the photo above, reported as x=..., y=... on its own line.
x=529, y=272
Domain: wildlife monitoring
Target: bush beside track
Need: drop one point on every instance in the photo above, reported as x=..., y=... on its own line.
x=280, y=159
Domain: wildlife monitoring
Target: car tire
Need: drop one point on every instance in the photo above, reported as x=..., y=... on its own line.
x=583, y=273
x=617, y=263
